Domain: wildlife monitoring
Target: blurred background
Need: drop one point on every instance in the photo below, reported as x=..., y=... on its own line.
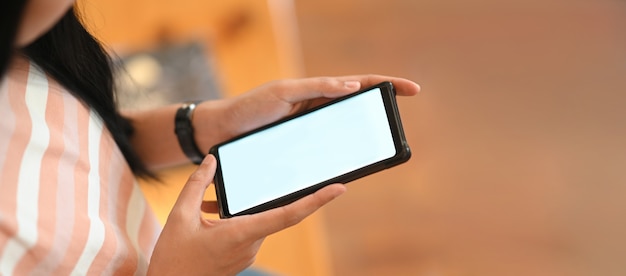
x=518, y=136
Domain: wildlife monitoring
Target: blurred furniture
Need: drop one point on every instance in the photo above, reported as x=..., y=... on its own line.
x=252, y=42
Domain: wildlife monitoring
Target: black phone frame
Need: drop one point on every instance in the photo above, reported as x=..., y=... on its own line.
x=403, y=154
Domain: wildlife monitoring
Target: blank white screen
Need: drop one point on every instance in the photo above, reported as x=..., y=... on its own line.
x=306, y=151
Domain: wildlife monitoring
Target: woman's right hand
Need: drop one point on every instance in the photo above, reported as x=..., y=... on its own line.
x=193, y=245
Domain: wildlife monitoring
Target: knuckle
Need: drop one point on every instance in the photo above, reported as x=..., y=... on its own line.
x=289, y=217
x=239, y=236
x=176, y=216
x=280, y=87
x=282, y=84
x=327, y=82
x=317, y=200
x=197, y=177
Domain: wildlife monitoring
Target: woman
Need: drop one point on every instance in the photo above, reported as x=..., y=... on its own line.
x=68, y=199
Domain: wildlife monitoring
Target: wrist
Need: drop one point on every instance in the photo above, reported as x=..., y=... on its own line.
x=210, y=125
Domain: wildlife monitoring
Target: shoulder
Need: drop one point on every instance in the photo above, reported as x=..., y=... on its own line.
x=24, y=76
x=41, y=120
x=45, y=128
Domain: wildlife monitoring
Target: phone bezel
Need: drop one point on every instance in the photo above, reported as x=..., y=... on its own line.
x=403, y=154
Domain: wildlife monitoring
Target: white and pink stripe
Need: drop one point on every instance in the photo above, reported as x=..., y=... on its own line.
x=69, y=203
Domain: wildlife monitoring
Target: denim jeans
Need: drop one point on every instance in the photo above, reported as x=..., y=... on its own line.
x=253, y=272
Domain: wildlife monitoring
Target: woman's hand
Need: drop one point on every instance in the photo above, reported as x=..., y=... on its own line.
x=216, y=121
x=193, y=245
x=275, y=100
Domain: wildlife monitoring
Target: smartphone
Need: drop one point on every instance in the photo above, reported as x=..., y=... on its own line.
x=343, y=140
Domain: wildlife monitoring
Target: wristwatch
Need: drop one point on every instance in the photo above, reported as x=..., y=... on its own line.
x=184, y=132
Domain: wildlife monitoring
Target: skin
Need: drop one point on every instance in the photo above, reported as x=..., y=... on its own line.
x=39, y=17
x=190, y=244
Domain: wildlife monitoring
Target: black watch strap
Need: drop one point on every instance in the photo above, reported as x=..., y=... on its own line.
x=184, y=132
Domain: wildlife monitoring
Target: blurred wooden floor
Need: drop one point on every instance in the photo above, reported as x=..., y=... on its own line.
x=519, y=136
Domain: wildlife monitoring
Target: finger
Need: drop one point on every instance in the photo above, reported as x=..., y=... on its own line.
x=274, y=220
x=191, y=196
x=404, y=87
x=295, y=91
x=209, y=207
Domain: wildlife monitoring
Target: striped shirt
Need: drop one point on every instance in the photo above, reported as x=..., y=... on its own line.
x=69, y=203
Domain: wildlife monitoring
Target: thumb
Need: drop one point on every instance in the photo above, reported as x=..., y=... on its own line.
x=190, y=199
x=274, y=220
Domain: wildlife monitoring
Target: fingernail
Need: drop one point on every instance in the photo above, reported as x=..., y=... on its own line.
x=355, y=85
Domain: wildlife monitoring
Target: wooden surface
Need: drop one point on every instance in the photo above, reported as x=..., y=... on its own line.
x=518, y=138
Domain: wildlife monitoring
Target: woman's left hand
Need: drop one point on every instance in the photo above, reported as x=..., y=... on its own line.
x=275, y=100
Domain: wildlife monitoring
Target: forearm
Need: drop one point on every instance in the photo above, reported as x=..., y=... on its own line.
x=154, y=138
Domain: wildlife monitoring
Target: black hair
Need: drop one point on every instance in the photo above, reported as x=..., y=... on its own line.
x=9, y=22
x=74, y=58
